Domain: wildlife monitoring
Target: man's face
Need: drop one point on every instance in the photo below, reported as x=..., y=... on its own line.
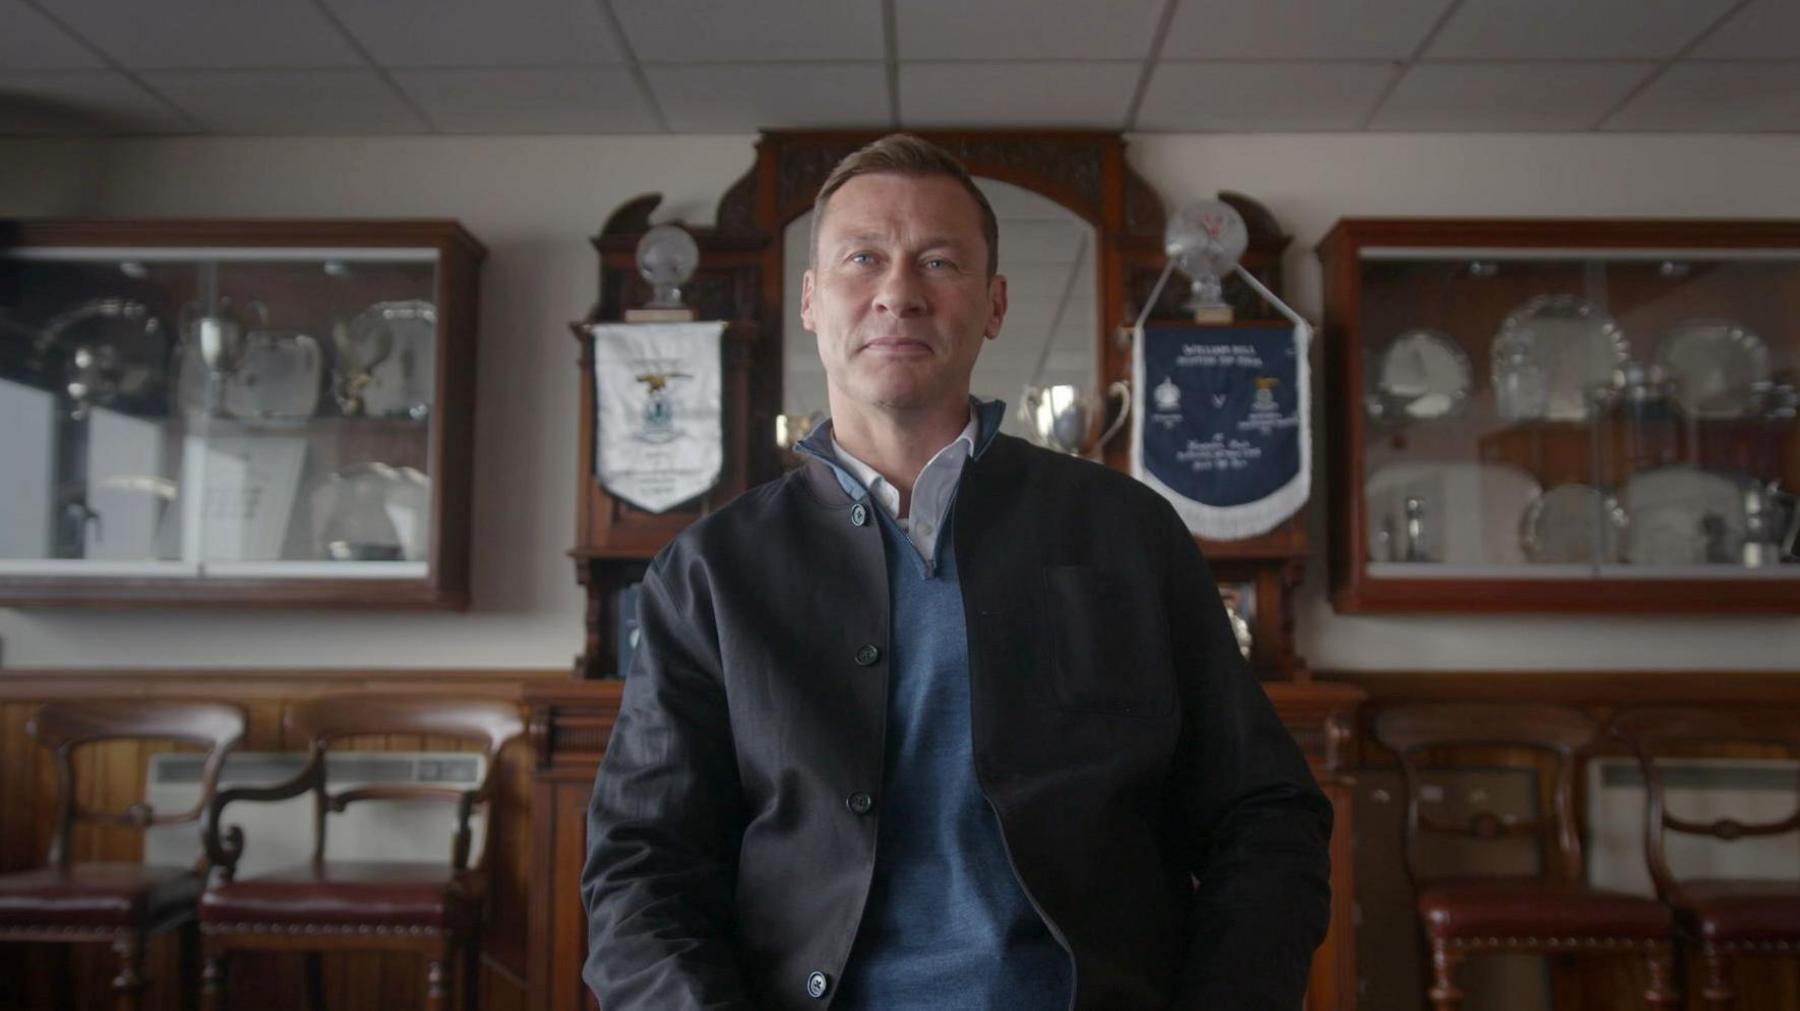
x=898, y=295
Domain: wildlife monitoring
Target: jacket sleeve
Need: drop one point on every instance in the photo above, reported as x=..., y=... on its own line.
x=1256, y=826
x=665, y=821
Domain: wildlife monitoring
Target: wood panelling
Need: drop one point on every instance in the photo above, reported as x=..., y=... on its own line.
x=1587, y=984
x=112, y=775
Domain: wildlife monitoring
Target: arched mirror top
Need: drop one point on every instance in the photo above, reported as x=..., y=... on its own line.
x=1085, y=173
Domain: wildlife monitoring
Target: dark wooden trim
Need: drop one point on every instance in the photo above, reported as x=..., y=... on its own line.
x=375, y=232
x=1585, y=688
x=261, y=682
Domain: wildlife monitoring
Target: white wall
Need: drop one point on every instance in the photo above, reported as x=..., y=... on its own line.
x=535, y=202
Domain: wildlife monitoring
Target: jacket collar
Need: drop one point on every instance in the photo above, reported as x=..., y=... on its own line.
x=837, y=486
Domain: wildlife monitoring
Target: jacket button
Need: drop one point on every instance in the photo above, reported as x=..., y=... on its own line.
x=867, y=656
x=859, y=514
x=818, y=985
x=860, y=803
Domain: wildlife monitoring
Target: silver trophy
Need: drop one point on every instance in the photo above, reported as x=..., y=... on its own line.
x=1063, y=417
x=1206, y=239
x=667, y=256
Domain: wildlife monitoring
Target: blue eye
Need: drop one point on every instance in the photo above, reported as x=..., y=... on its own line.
x=938, y=263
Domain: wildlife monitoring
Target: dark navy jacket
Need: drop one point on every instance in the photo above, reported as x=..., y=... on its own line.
x=1152, y=804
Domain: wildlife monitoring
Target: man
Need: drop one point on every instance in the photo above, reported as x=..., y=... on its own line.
x=942, y=720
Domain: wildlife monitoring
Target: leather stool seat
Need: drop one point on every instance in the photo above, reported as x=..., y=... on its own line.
x=1740, y=911
x=98, y=895
x=1456, y=909
x=418, y=896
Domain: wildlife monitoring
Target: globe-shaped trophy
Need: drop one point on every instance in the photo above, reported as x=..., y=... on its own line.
x=667, y=256
x=1206, y=239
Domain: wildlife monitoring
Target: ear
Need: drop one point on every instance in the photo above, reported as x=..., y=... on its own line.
x=806, y=292
x=997, y=301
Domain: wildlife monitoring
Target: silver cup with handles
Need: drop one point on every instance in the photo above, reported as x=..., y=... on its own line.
x=1063, y=417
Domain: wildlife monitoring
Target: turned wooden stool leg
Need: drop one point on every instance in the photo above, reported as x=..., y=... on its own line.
x=128, y=985
x=437, y=977
x=1443, y=993
x=189, y=966
x=314, y=980
x=62, y=978
x=212, y=979
x=1716, y=989
x=471, y=972
x=1660, y=961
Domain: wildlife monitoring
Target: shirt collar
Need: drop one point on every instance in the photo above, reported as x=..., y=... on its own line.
x=986, y=417
x=883, y=489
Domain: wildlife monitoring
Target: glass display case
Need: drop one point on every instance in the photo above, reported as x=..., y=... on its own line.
x=236, y=412
x=1563, y=415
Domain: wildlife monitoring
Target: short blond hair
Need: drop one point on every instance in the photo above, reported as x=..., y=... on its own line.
x=907, y=155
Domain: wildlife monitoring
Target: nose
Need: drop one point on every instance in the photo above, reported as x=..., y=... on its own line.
x=899, y=292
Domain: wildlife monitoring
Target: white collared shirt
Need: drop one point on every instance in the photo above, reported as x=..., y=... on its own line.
x=931, y=492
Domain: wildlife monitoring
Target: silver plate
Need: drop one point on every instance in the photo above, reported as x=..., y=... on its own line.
x=1566, y=342
x=1422, y=374
x=1715, y=366
x=1682, y=515
x=1573, y=523
x=401, y=383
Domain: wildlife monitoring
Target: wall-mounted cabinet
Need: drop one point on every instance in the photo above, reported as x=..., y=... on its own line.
x=266, y=413
x=1563, y=415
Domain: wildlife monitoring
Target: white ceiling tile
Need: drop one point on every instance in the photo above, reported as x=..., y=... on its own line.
x=31, y=41
x=1299, y=29
x=1502, y=97
x=1262, y=97
x=51, y=103
x=1763, y=30
x=321, y=102
x=704, y=31
x=1573, y=29
x=742, y=97
x=1064, y=93
x=208, y=34
x=481, y=33
x=1717, y=98
x=530, y=100
x=1025, y=29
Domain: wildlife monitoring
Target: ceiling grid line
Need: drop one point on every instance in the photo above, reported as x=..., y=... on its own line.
x=1664, y=67
x=632, y=66
x=1412, y=60
x=381, y=72
x=118, y=68
x=1163, y=19
x=890, y=54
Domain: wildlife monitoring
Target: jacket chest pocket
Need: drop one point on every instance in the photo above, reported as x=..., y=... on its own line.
x=1109, y=638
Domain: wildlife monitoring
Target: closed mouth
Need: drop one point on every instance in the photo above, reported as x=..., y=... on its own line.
x=897, y=345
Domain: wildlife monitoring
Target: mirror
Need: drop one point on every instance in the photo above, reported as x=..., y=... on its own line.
x=1047, y=257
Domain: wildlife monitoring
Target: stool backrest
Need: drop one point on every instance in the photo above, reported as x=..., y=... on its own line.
x=324, y=721
x=1654, y=733
x=1443, y=732
x=65, y=726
